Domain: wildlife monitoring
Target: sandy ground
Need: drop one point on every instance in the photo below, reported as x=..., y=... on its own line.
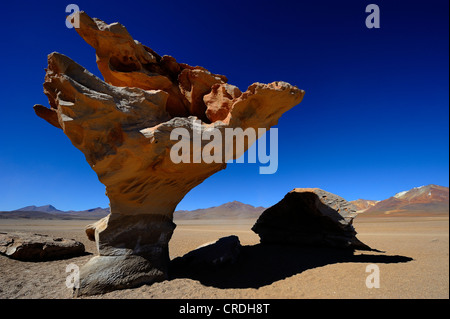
x=415, y=264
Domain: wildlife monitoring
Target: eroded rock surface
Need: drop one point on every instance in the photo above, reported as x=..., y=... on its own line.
x=36, y=247
x=123, y=126
x=310, y=216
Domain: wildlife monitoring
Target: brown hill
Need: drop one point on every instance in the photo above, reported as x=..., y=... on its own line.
x=231, y=210
x=363, y=204
x=430, y=200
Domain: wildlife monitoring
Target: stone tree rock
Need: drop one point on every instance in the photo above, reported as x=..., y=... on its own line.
x=123, y=126
x=310, y=216
x=36, y=247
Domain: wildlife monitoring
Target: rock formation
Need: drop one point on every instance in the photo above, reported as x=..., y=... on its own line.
x=310, y=216
x=123, y=127
x=35, y=247
x=224, y=251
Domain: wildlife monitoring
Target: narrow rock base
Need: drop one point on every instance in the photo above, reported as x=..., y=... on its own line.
x=102, y=274
x=133, y=251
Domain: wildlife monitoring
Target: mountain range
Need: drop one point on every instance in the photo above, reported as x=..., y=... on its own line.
x=420, y=201
x=364, y=204
x=231, y=210
x=50, y=212
x=430, y=200
x=43, y=209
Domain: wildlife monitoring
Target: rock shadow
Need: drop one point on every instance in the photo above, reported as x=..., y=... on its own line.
x=264, y=264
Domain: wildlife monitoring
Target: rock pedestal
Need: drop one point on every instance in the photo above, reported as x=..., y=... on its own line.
x=123, y=126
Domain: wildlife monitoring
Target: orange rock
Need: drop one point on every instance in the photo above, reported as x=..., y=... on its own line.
x=194, y=85
x=123, y=127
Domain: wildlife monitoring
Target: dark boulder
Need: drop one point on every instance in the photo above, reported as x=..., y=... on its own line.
x=311, y=217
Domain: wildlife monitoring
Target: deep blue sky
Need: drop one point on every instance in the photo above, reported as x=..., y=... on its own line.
x=374, y=120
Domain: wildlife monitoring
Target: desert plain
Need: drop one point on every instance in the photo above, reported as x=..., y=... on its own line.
x=413, y=261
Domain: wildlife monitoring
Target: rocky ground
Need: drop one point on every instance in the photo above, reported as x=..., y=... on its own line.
x=414, y=264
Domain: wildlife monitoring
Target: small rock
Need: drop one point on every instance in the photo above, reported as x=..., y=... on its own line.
x=36, y=247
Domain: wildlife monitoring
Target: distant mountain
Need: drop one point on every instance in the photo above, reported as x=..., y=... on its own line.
x=430, y=200
x=363, y=204
x=50, y=212
x=94, y=213
x=18, y=214
x=424, y=200
x=44, y=209
x=231, y=210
